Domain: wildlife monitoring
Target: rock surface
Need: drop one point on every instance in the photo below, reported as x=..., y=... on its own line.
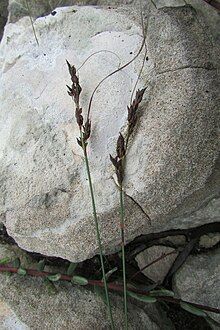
x=70, y=308
x=205, y=12
x=8, y=319
x=159, y=270
x=26, y=303
x=19, y=9
x=171, y=167
x=209, y=212
x=198, y=281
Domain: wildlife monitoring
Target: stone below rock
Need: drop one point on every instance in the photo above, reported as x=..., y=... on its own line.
x=159, y=270
x=173, y=241
x=171, y=164
x=209, y=240
x=198, y=281
x=26, y=303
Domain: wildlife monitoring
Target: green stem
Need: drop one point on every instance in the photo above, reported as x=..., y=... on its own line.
x=122, y=213
x=97, y=230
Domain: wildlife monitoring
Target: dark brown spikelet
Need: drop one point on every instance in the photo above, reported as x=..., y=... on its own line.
x=87, y=129
x=74, y=92
x=120, y=146
x=132, y=110
x=140, y=94
x=79, y=142
x=118, y=164
x=76, y=89
x=118, y=160
x=79, y=117
x=72, y=70
x=120, y=172
x=69, y=90
x=114, y=160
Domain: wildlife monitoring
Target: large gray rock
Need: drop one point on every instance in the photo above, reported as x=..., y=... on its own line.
x=171, y=166
x=198, y=281
x=19, y=8
x=26, y=303
x=205, y=12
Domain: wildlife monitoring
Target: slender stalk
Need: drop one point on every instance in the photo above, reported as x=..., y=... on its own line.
x=97, y=230
x=122, y=226
x=85, y=130
x=119, y=164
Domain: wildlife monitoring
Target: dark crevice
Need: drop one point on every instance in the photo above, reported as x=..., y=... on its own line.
x=3, y=16
x=189, y=233
x=143, y=242
x=4, y=237
x=140, y=207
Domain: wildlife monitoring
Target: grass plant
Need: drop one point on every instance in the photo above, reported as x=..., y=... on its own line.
x=85, y=129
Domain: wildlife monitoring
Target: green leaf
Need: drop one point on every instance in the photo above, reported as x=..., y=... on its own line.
x=16, y=263
x=140, y=297
x=54, y=278
x=132, y=286
x=99, y=291
x=142, y=287
x=22, y=271
x=192, y=309
x=162, y=292
x=71, y=268
x=8, y=274
x=79, y=280
x=51, y=288
x=110, y=272
x=41, y=265
x=4, y=261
